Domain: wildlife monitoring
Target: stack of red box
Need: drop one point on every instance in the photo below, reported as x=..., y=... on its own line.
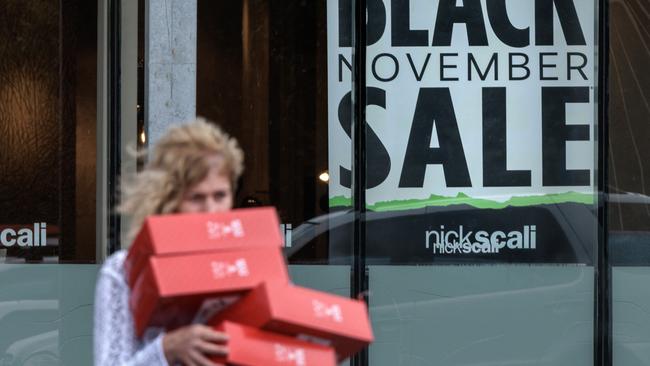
x=306, y=314
x=183, y=268
x=191, y=233
x=227, y=270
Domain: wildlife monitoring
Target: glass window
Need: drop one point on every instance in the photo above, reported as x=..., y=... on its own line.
x=628, y=183
x=477, y=234
x=262, y=75
x=48, y=162
x=482, y=209
x=47, y=132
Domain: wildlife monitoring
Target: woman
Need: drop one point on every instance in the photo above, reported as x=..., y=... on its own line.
x=193, y=168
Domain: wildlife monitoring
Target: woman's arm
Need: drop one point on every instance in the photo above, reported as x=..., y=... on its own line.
x=114, y=341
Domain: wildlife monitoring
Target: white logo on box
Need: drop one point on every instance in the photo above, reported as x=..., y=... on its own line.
x=322, y=310
x=296, y=356
x=238, y=268
x=218, y=230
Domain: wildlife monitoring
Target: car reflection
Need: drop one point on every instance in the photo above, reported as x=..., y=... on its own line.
x=39, y=350
x=428, y=309
x=565, y=231
x=29, y=315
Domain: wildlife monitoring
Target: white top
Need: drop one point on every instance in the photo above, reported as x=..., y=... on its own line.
x=115, y=343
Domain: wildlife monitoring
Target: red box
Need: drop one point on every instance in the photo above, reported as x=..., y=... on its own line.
x=186, y=233
x=178, y=290
x=248, y=346
x=308, y=314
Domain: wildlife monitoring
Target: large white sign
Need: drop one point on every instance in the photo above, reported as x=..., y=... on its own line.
x=489, y=103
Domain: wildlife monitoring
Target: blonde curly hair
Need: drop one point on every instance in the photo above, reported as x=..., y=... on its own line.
x=181, y=159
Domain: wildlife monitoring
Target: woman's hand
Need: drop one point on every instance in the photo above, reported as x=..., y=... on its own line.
x=191, y=344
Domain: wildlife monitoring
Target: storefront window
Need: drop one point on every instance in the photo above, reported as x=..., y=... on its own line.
x=48, y=110
x=458, y=183
x=482, y=208
x=48, y=104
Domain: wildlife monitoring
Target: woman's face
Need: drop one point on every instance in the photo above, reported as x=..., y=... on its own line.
x=212, y=194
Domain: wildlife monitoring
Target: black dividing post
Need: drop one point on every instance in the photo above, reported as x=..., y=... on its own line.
x=359, y=288
x=113, y=140
x=603, y=281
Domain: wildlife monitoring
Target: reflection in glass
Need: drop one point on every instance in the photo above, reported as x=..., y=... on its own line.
x=47, y=130
x=261, y=74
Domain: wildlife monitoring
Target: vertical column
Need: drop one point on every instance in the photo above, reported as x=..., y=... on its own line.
x=170, y=64
x=128, y=99
x=101, y=219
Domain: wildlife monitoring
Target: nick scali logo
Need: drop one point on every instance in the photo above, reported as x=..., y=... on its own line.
x=460, y=241
x=25, y=237
x=218, y=230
